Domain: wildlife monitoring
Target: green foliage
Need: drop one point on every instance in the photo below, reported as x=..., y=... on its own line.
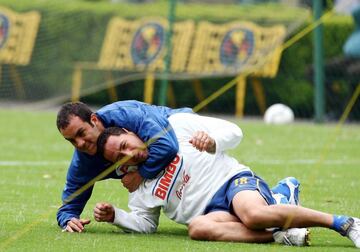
x=293, y=84
x=34, y=160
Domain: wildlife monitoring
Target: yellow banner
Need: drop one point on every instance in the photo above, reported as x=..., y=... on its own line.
x=236, y=47
x=140, y=45
x=17, y=36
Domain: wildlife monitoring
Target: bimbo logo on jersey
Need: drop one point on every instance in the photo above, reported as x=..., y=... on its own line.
x=162, y=188
x=185, y=180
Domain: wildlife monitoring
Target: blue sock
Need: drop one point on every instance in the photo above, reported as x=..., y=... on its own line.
x=341, y=224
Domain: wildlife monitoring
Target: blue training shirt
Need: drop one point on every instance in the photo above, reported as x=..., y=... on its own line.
x=146, y=121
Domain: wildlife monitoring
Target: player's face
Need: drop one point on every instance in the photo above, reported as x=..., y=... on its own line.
x=82, y=134
x=127, y=147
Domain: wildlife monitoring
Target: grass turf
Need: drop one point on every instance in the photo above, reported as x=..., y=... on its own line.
x=34, y=160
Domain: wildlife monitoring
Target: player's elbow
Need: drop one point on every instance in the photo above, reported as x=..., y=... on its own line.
x=173, y=150
x=148, y=227
x=238, y=134
x=143, y=229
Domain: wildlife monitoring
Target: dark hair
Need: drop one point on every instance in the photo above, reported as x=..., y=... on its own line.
x=104, y=136
x=72, y=109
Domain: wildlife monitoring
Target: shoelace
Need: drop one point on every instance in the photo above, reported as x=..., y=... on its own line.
x=286, y=240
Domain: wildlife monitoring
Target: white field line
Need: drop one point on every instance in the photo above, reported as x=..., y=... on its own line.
x=302, y=162
x=260, y=161
x=33, y=163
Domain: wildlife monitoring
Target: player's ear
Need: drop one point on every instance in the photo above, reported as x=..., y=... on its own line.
x=94, y=120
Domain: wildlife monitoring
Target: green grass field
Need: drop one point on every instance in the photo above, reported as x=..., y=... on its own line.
x=34, y=160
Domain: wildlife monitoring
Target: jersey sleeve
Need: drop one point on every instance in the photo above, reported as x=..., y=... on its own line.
x=140, y=219
x=227, y=135
x=149, y=126
x=73, y=206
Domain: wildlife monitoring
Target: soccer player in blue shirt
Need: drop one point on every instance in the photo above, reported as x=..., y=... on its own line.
x=81, y=127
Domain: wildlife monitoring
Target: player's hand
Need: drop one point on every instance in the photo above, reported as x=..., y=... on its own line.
x=104, y=212
x=203, y=142
x=76, y=225
x=132, y=181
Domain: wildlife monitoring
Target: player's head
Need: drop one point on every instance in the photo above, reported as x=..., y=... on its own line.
x=80, y=126
x=119, y=144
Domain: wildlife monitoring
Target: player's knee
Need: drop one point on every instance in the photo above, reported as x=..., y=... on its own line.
x=252, y=218
x=196, y=229
x=199, y=229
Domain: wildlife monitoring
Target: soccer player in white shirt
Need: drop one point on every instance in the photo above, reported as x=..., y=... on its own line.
x=218, y=198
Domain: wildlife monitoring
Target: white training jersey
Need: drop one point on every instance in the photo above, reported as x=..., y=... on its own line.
x=190, y=181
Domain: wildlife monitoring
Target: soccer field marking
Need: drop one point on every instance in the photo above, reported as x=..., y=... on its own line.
x=25, y=229
x=10, y=163
x=33, y=224
x=303, y=162
x=33, y=163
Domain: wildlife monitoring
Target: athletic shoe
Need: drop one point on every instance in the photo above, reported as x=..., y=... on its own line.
x=353, y=232
x=293, y=237
x=280, y=199
x=288, y=187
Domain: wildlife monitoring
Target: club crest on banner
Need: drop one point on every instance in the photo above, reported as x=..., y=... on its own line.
x=4, y=29
x=236, y=47
x=147, y=43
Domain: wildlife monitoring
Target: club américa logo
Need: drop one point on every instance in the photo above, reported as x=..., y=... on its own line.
x=4, y=29
x=236, y=47
x=147, y=43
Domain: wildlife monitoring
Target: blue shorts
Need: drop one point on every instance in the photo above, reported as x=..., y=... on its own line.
x=243, y=181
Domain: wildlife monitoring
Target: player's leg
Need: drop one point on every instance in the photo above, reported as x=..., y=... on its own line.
x=223, y=226
x=219, y=223
x=253, y=207
x=255, y=213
